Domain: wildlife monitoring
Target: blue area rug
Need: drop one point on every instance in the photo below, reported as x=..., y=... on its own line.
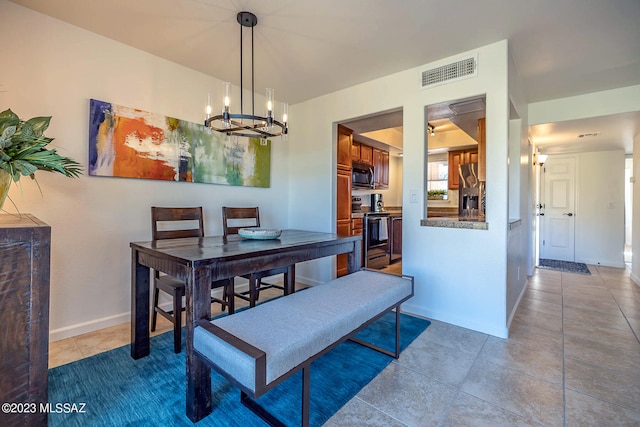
x=120, y=391
x=566, y=266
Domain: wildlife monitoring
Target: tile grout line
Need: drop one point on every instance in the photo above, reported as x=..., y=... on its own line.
x=459, y=387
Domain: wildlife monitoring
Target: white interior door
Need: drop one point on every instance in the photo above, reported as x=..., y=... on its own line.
x=558, y=207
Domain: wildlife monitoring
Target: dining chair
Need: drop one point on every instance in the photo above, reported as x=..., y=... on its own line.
x=175, y=223
x=233, y=219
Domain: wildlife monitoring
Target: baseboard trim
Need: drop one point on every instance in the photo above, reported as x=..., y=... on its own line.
x=117, y=319
x=90, y=326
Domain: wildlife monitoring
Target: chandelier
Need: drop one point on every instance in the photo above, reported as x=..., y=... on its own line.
x=247, y=125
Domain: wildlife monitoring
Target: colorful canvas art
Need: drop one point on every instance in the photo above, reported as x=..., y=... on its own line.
x=130, y=143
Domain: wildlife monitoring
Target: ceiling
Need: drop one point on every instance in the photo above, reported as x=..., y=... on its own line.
x=307, y=48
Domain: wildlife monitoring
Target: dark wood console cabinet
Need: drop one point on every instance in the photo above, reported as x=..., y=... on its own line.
x=24, y=314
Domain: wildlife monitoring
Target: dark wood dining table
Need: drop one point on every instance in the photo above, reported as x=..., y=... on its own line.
x=201, y=261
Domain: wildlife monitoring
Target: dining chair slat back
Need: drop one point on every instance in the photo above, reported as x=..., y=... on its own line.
x=175, y=223
x=233, y=219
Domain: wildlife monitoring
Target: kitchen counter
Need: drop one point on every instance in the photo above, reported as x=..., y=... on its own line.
x=477, y=223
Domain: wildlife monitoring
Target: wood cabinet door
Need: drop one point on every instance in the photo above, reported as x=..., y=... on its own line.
x=343, y=194
x=366, y=154
x=396, y=238
x=355, y=151
x=482, y=150
x=343, y=216
x=471, y=157
x=344, y=148
x=455, y=159
x=384, y=163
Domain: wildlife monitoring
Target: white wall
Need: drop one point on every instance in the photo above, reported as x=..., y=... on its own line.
x=635, y=221
x=600, y=208
x=519, y=256
x=460, y=274
x=52, y=68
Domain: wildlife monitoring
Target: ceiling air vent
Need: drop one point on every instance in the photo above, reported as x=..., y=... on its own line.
x=465, y=68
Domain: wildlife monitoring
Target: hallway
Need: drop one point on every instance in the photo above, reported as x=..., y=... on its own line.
x=572, y=359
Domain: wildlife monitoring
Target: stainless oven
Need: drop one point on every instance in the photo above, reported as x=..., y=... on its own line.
x=376, y=240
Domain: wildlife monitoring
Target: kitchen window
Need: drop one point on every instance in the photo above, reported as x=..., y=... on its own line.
x=438, y=178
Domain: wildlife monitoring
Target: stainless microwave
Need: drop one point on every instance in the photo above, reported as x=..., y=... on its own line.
x=362, y=174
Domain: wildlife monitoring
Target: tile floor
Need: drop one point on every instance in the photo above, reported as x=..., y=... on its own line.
x=572, y=359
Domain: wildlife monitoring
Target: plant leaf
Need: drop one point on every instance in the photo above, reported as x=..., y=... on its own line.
x=5, y=138
x=25, y=168
x=38, y=125
x=8, y=114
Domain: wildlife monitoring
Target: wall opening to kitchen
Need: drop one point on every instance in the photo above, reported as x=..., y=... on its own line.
x=369, y=177
x=455, y=174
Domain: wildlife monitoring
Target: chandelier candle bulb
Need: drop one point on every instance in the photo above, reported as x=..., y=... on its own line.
x=208, y=106
x=269, y=102
x=227, y=95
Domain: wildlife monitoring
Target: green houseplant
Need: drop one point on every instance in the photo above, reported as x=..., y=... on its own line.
x=23, y=151
x=435, y=194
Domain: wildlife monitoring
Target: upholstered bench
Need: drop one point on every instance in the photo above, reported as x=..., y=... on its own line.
x=257, y=349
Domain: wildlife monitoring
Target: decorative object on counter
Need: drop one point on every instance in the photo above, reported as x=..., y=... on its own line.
x=23, y=151
x=131, y=143
x=436, y=194
x=356, y=204
x=259, y=233
x=247, y=125
x=377, y=205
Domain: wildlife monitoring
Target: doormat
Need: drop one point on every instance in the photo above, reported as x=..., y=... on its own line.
x=566, y=266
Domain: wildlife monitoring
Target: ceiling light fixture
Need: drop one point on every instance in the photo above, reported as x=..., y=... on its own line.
x=248, y=125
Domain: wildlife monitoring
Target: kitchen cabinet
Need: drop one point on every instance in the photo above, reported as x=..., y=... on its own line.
x=396, y=238
x=366, y=154
x=381, y=168
x=482, y=150
x=345, y=137
x=25, y=246
x=355, y=151
x=361, y=153
x=343, y=215
x=343, y=192
x=456, y=158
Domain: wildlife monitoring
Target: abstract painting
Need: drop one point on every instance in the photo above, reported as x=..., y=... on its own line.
x=130, y=143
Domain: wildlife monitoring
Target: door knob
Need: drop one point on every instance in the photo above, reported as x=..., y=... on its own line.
x=568, y=214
